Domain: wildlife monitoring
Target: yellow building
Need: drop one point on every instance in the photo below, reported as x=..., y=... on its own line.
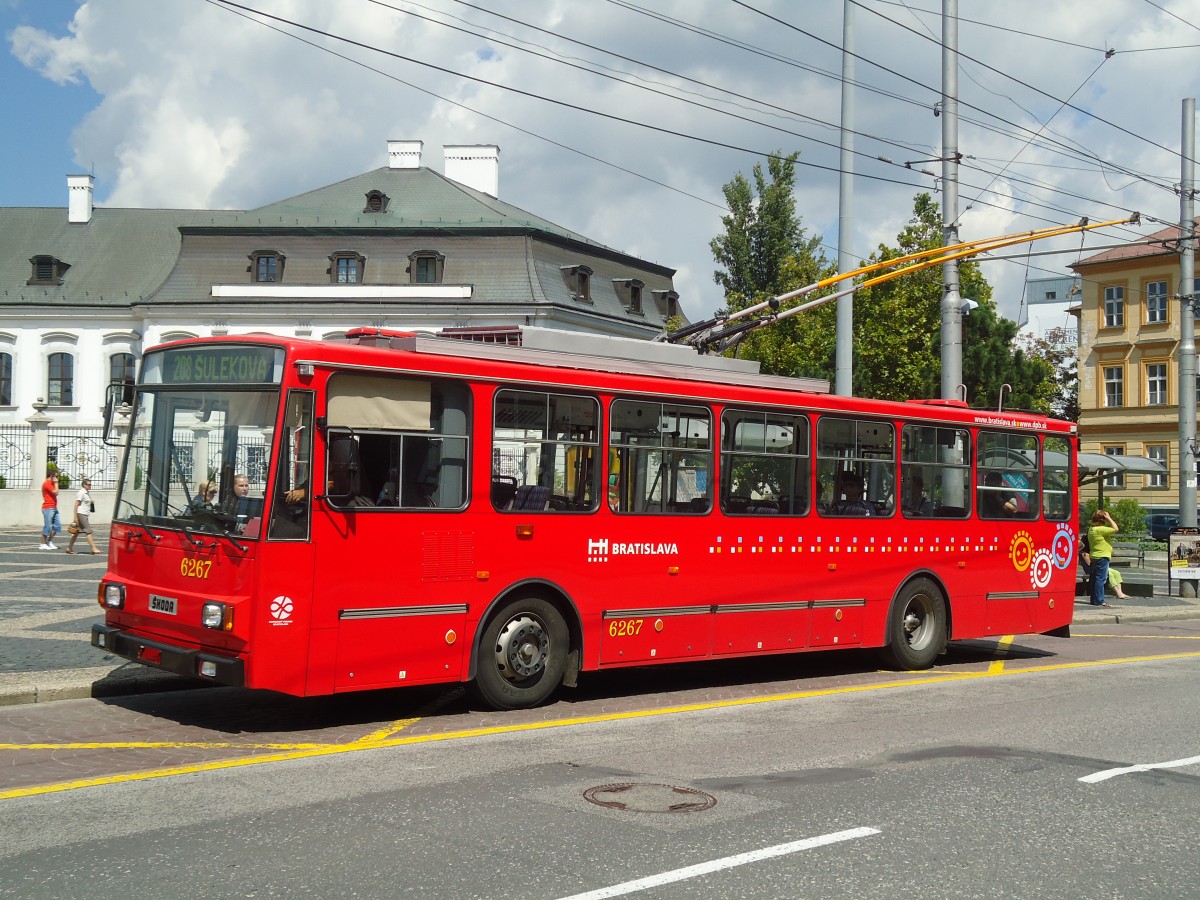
x=1129, y=367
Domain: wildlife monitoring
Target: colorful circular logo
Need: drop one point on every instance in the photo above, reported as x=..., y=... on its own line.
x=1041, y=568
x=1020, y=551
x=1062, y=548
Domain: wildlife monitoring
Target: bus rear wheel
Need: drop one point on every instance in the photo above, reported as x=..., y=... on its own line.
x=522, y=655
x=916, y=627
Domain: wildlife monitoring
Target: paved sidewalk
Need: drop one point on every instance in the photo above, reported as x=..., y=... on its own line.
x=48, y=605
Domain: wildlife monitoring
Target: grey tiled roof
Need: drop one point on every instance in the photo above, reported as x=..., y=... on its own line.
x=120, y=256
x=510, y=257
x=418, y=198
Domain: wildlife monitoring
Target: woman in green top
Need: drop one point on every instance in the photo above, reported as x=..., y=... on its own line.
x=1103, y=527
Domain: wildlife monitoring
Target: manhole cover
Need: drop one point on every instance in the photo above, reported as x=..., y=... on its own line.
x=649, y=798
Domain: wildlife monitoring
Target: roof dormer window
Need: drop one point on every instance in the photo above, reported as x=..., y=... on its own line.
x=266, y=266
x=579, y=282
x=629, y=290
x=377, y=202
x=47, y=270
x=667, y=303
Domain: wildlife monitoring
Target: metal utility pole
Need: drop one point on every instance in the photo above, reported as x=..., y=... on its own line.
x=843, y=380
x=1187, y=327
x=951, y=300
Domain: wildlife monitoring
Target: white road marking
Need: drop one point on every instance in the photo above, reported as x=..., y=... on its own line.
x=1143, y=767
x=727, y=862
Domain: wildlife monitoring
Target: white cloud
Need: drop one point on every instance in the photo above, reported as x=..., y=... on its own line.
x=202, y=107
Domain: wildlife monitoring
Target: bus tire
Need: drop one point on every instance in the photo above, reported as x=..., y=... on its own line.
x=522, y=655
x=916, y=626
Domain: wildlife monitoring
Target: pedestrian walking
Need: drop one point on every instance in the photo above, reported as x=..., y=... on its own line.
x=51, y=523
x=81, y=523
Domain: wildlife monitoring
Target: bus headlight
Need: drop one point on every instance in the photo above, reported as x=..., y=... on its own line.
x=112, y=596
x=218, y=616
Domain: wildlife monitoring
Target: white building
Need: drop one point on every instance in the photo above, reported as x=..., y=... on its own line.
x=84, y=289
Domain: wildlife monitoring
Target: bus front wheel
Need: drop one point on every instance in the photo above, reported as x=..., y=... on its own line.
x=916, y=627
x=522, y=655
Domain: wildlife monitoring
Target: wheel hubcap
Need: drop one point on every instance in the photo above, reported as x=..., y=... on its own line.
x=918, y=623
x=522, y=647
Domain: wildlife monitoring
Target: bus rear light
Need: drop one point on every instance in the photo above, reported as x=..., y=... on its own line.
x=218, y=616
x=112, y=596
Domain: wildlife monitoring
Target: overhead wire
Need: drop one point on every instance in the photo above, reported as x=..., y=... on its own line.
x=249, y=12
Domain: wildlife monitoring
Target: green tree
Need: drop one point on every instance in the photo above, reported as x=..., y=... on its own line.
x=897, y=325
x=1062, y=361
x=1129, y=515
x=765, y=251
x=762, y=235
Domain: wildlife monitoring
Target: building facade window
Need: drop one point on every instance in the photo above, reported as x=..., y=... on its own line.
x=1114, y=386
x=346, y=267
x=1158, y=453
x=266, y=266
x=122, y=367
x=1156, y=384
x=47, y=270
x=1117, y=479
x=6, y=378
x=60, y=384
x=426, y=267
x=1114, y=307
x=1156, y=303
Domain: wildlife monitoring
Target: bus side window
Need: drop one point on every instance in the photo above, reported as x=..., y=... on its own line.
x=764, y=463
x=935, y=468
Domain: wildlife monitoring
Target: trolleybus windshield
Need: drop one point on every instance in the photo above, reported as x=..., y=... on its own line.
x=199, y=454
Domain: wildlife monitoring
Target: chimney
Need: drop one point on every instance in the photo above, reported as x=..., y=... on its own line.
x=404, y=154
x=475, y=165
x=79, y=198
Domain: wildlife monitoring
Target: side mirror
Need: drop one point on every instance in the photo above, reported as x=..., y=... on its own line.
x=115, y=397
x=344, y=475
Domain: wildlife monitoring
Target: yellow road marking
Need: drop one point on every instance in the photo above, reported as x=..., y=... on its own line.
x=997, y=665
x=374, y=743
x=374, y=736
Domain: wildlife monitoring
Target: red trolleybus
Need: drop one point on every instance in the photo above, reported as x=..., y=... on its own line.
x=400, y=509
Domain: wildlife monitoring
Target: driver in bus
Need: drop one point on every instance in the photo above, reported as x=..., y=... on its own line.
x=206, y=493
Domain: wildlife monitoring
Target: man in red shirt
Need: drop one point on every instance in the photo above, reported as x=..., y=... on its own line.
x=51, y=524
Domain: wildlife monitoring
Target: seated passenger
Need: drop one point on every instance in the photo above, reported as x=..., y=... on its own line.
x=995, y=501
x=853, y=504
x=916, y=503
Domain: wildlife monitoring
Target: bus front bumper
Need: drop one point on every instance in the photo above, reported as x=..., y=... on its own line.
x=180, y=660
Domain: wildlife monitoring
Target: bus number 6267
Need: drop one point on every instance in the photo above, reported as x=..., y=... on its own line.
x=624, y=627
x=194, y=568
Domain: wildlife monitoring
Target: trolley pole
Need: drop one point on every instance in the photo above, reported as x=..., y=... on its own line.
x=951, y=300
x=1187, y=330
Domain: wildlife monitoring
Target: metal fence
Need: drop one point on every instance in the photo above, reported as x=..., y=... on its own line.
x=81, y=453
x=15, y=442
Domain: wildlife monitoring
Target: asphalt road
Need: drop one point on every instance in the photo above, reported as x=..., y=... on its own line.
x=1004, y=772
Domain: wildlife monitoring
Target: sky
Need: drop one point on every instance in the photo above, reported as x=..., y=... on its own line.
x=618, y=119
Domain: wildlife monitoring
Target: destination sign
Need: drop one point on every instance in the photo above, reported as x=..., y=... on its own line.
x=215, y=365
